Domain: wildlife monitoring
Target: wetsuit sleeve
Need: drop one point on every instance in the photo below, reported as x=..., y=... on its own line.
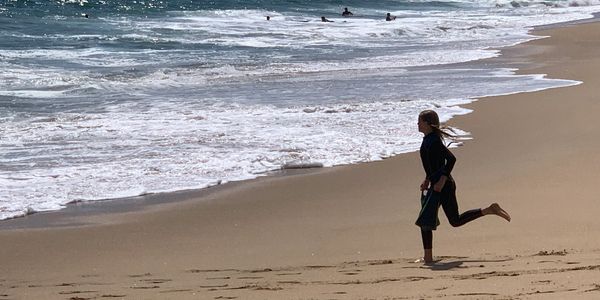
x=450, y=161
x=444, y=158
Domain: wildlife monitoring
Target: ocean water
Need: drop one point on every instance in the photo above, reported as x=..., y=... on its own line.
x=104, y=99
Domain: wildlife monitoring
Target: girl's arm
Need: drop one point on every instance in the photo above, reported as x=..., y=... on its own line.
x=444, y=172
x=450, y=160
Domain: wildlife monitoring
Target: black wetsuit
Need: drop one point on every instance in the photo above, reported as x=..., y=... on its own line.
x=437, y=161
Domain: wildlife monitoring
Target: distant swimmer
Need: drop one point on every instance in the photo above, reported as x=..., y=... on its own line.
x=389, y=17
x=346, y=13
x=268, y=18
x=323, y=19
x=85, y=16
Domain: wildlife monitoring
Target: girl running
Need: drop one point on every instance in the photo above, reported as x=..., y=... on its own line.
x=438, y=162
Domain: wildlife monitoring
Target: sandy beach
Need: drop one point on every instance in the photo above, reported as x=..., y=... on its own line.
x=348, y=232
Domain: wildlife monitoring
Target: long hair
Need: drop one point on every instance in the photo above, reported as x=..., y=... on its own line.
x=432, y=119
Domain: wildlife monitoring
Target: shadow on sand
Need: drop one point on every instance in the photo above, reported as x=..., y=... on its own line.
x=440, y=265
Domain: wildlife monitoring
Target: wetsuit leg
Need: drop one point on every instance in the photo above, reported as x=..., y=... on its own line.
x=427, y=236
x=450, y=206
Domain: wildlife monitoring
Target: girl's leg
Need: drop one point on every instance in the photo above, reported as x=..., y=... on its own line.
x=427, y=236
x=450, y=206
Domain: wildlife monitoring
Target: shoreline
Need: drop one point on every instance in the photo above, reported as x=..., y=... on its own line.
x=77, y=211
x=74, y=213
x=348, y=232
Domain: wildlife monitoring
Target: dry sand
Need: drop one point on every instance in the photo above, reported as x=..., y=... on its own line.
x=348, y=232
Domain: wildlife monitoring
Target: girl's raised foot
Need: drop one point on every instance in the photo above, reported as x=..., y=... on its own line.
x=497, y=210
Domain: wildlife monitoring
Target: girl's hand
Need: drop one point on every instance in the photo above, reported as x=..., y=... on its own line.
x=424, y=185
x=438, y=186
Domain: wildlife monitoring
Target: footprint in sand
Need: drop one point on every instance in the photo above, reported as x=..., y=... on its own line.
x=211, y=271
x=250, y=277
x=145, y=287
x=140, y=275
x=594, y=289
x=76, y=292
x=476, y=294
x=552, y=253
x=216, y=278
x=381, y=262
x=318, y=267
x=542, y=281
x=289, y=282
x=155, y=281
x=261, y=271
x=255, y=287
x=350, y=271
x=66, y=284
x=175, y=291
x=214, y=286
x=417, y=278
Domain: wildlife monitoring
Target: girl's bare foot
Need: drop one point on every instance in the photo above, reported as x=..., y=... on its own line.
x=427, y=257
x=497, y=210
x=426, y=262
